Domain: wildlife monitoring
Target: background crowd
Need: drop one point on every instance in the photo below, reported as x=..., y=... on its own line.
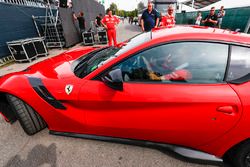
x=150, y=19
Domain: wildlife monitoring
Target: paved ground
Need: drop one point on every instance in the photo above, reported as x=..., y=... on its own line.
x=42, y=149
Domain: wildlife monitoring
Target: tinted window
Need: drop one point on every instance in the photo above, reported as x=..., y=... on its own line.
x=240, y=63
x=92, y=61
x=190, y=62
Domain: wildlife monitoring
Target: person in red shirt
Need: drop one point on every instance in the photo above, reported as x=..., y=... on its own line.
x=172, y=67
x=169, y=19
x=110, y=22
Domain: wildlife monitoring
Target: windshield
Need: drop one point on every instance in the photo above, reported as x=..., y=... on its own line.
x=135, y=41
x=92, y=61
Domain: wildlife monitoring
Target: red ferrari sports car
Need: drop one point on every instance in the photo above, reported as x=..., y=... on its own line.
x=184, y=88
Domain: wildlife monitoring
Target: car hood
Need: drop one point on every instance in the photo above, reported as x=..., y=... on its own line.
x=58, y=67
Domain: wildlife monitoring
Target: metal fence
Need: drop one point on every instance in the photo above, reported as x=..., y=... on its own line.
x=235, y=18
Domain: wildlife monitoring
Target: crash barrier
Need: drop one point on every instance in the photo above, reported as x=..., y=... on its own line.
x=27, y=49
x=235, y=18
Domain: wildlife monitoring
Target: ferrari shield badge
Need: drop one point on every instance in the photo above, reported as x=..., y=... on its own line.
x=68, y=89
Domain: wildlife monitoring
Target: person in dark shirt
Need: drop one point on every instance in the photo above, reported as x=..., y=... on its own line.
x=211, y=19
x=98, y=20
x=150, y=18
x=81, y=21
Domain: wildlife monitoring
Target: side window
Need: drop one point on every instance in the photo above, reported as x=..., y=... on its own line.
x=240, y=63
x=187, y=62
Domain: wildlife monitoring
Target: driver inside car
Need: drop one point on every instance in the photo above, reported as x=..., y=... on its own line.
x=173, y=68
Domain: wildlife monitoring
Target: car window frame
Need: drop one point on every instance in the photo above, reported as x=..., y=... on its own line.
x=229, y=44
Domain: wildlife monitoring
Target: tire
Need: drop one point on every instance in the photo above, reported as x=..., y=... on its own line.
x=241, y=155
x=8, y=113
x=30, y=121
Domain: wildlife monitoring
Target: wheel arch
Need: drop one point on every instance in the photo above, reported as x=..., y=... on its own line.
x=30, y=120
x=9, y=115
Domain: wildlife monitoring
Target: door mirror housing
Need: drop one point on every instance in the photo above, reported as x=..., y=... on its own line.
x=113, y=79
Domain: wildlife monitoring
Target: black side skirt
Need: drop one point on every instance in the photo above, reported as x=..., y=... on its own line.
x=171, y=150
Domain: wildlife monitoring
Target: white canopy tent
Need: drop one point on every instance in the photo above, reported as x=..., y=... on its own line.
x=198, y=4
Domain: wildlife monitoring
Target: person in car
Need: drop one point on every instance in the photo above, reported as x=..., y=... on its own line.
x=169, y=69
x=178, y=75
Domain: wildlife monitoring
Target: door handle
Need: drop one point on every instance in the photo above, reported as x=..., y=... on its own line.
x=231, y=110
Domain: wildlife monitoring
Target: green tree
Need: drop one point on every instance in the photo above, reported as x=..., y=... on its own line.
x=133, y=13
x=141, y=6
x=122, y=13
x=114, y=8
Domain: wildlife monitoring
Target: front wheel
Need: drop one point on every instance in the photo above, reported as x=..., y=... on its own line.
x=30, y=121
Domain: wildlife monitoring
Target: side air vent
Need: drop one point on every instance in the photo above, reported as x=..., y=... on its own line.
x=43, y=92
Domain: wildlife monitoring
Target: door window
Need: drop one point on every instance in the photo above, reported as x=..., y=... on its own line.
x=240, y=63
x=187, y=62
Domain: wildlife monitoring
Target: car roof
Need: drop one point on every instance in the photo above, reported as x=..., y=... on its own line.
x=200, y=33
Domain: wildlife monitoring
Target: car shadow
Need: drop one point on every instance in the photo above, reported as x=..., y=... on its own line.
x=38, y=156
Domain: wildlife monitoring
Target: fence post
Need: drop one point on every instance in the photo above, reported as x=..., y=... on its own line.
x=247, y=29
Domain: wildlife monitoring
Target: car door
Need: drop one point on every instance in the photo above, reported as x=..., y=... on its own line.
x=191, y=111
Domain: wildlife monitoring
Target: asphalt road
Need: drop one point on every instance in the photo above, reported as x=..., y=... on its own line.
x=42, y=149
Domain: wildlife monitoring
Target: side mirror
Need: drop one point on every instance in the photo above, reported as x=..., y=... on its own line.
x=113, y=79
